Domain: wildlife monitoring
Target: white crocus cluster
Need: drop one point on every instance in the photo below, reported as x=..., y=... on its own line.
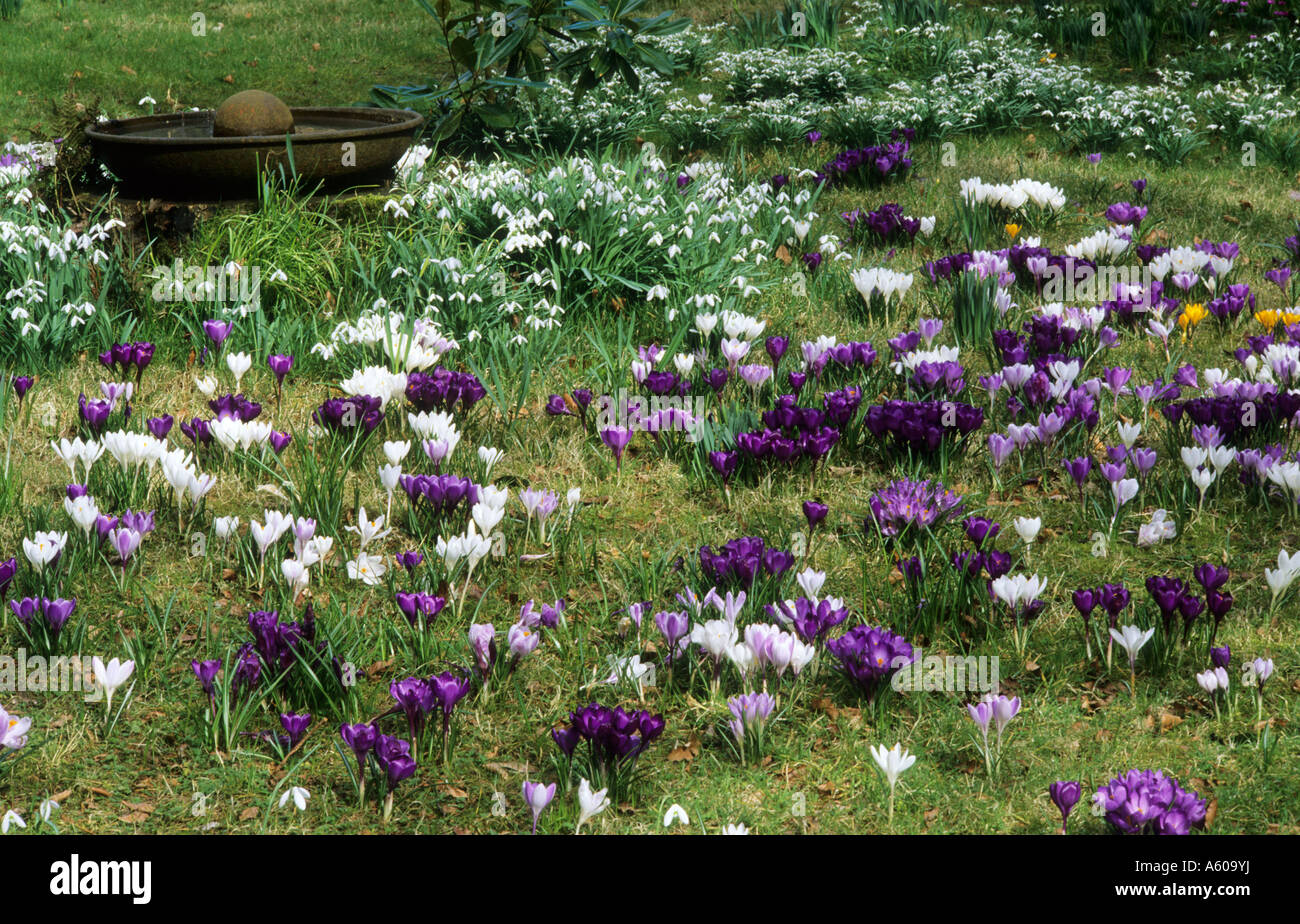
x=377, y=382
x=43, y=548
x=232, y=434
x=888, y=284
x=1278, y=579
x=366, y=567
x=1012, y=196
x=76, y=450
x=131, y=450
x=186, y=481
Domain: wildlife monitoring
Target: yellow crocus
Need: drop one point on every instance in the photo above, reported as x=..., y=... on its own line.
x=1013, y=230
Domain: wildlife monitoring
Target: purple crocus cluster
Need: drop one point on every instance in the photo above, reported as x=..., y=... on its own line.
x=419, y=698
x=344, y=415
x=437, y=495
x=53, y=613
x=128, y=356
x=1172, y=598
x=738, y=562
x=981, y=532
x=921, y=426
x=871, y=165
x=906, y=506
x=443, y=389
x=1147, y=801
x=616, y=737
x=869, y=656
x=883, y=226
x=419, y=608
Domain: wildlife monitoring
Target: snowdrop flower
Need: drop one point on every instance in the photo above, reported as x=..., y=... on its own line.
x=676, y=814
x=47, y=809
x=735, y=829
x=112, y=675
x=298, y=794
x=590, y=804
x=238, y=364
x=11, y=819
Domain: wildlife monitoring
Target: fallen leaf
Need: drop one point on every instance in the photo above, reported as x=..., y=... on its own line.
x=783, y=255
x=455, y=792
x=688, y=751
x=100, y=792
x=146, y=808
x=134, y=818
x=127, y=70
x=1210, y=812
x=505, y=769
x=1168, y=720
x=249, y=813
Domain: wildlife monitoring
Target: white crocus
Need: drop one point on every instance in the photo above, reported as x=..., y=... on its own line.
x=590, y=804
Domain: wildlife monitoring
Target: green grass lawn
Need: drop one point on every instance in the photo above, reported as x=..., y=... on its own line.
x=308, y=54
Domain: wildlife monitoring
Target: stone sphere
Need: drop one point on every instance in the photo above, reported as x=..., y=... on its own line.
x=252, y=112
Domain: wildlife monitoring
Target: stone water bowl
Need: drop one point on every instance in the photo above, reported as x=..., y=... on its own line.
x=221, y=153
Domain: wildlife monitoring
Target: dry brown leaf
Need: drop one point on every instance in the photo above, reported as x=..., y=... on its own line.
x=689, y=751
x=100, y=792
x=454, y=791
x=783, y=254
x=134, y=818
x=1168, y=721
x=249, y=813
x=1210, y=812
x=127, y=70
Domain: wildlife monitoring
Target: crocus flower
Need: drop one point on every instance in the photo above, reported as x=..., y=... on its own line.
x=590, y=804
x=1065, y=795
x=110, y=676
x=616, y=438
x=538, y=798
x=892, y=763
x=1131, y=639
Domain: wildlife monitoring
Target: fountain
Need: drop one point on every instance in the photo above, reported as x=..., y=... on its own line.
x=213, y=154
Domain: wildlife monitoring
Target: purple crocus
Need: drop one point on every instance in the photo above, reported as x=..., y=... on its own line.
x=217, y=331
x=616, y=438
x=295, y=725
x=1065, y=796
x=538, y=798
x=280, y=364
